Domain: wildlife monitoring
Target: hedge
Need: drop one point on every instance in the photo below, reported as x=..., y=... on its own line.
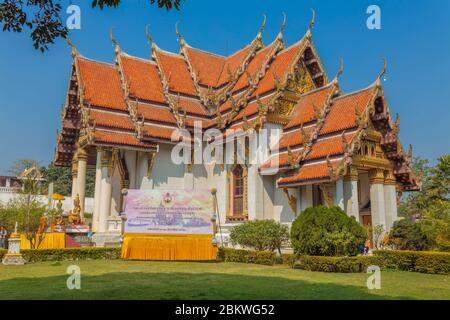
x=418, y=261
x=336, y=264
x=68, y=254
x=247, y=256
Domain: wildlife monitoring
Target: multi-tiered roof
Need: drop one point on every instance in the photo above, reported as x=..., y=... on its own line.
x=137, y=103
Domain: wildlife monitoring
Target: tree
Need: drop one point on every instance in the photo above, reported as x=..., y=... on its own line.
x=20, y=165
x=325, y=231
x=27, y=211
x=431, y=206
x=43, y=18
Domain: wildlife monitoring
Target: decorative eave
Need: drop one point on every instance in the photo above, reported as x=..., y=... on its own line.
x=174, y=105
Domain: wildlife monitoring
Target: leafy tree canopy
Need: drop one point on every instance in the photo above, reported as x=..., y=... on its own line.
x=42, y=17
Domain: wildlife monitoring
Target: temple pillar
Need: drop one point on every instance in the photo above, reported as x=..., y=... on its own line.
x=390, y=199
x=351, y=201
x=377, y=203
x=74, y=177
x=339, y=193
x=106, y=192
x=82, y=158
x=97, y=191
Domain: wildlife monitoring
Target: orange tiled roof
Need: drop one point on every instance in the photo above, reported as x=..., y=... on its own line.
x=101, y=84
x=152, y=113
x=309, y=172
x=158, y=132
x=143, y=78
x=294, y=138
x=342, y=114
x=232, y=63
x=116, y=138
x=106, y=119
x=208, y=66
x=253, y=67
x=304, y=110
x=173, y=65
x=328, y=147
x=279, y=67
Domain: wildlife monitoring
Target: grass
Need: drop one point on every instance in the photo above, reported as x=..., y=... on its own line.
x=117, y=279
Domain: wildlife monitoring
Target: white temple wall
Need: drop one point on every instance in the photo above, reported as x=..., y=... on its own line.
x=268, y=197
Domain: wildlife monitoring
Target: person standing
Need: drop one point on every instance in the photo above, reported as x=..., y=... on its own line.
x=3, y=234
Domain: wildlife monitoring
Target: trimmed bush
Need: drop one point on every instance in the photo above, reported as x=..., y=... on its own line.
x=69, y=254
x=324, y=231
x=288, y=259
x=336, y=264
x=247, y=256
x=261, y=235
x=418, y=261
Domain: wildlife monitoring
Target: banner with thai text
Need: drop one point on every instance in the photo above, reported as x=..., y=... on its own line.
x=169, y=211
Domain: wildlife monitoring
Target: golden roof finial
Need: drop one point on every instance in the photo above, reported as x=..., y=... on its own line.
x=313, y=19
x=177, y=31
x=341, y=69
x=70, y=43
x=280, y=33
x=410, y=152
x=383, y=72
x=150, y=39
x=261, y=29
x=111, y=36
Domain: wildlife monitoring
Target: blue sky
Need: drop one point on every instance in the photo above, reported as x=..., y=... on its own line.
x=414, y=36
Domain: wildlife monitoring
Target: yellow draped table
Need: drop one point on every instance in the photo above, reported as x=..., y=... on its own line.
x=54, y=240
x=168, y=247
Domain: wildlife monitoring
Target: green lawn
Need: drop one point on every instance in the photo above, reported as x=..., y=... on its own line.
x=118, y=279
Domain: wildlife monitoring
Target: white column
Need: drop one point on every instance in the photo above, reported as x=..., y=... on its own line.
x=97, y=191
x=339, y=196
x=390, y=199
x=74, y=177
x=377, y=204
x=81, y=178
x=8, y=183
x=351, y=201
x=106, y=191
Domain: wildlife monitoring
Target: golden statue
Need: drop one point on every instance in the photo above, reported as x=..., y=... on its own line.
x=58, y=218
x=75, y=214
x=42, y=224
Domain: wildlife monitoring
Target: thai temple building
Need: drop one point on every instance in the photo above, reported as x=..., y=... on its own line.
x=324, y=146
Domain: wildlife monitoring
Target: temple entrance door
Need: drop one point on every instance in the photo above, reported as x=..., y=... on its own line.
x=366, y=220
x=238, y=192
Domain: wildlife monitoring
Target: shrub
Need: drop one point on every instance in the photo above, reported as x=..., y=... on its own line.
x=407, y=235
x=419, y=261
x=288, y=259
x=69, y=254
x=324, y=231
x=261, y=235
x=247, y=256
x=336, y=264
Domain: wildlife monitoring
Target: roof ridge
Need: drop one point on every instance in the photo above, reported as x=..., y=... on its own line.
x=95, y=61
x=208, y=52
x=371, y=86
x=137, y=58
